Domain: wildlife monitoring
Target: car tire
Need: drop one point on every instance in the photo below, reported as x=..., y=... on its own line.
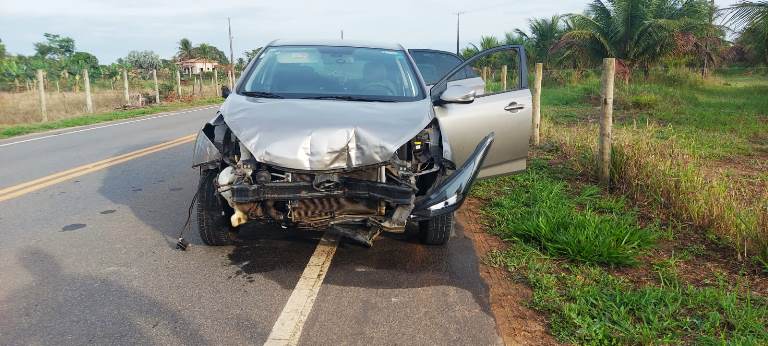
x=212, y=217
x=437, y=230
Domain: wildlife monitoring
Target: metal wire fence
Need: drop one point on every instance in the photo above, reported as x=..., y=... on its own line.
x=59, y=97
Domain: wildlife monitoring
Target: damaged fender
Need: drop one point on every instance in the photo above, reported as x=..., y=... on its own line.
x=449, y=194
x=205, y=152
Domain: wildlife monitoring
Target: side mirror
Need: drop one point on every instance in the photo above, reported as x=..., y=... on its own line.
x=458, y=94
x=225, y=91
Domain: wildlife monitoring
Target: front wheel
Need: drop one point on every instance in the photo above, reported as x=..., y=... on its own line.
x=212, y=216
x=436, y=230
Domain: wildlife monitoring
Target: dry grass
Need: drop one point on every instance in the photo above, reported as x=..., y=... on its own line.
x=24, y=107
x=645, y=167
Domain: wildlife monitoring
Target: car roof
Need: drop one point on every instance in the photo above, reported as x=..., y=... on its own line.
x=337, y=43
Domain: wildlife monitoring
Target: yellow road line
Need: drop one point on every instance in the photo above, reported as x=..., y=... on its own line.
x=287, y=328
x=37, y=184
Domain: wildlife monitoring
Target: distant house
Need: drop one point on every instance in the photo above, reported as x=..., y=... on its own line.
x=197, y=65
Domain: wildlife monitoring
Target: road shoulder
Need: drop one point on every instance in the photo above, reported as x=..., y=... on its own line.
x=17, y=132
x=516, y=322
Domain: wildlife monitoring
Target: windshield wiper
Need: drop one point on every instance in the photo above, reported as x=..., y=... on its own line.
x=263, y=94
x=346, y=98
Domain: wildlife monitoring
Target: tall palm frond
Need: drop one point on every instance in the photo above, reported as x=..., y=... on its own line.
x=638, y=32
x=750, y=18
x=747, y=13
x=185, y=50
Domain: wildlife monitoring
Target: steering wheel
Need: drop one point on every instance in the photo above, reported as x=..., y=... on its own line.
x=380, y=87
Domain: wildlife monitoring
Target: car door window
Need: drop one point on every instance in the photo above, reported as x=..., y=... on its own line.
x=500, y=71
x=502, y=105
x=433, y=65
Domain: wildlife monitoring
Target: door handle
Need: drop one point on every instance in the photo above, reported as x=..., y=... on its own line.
x=513, y=107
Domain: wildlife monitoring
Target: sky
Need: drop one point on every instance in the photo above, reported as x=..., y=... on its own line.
x=110, y=29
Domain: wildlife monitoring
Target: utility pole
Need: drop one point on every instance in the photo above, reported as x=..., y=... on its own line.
x=458, y=24
x=231, y=54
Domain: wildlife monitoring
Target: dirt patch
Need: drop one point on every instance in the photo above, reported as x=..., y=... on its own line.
x=516, y=322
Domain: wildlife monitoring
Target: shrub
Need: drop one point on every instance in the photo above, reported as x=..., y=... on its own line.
x=678, y=76
x=643, y=101
x=166, y=90
x=539, y=210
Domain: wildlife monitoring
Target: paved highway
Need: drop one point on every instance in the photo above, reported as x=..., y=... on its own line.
x=87, y=257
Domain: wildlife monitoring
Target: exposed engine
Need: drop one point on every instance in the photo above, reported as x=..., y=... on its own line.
x=375, y=198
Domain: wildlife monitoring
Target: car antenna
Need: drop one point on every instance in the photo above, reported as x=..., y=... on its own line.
x=182, y=244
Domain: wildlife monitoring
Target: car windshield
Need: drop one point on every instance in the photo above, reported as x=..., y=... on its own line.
x=322, y=72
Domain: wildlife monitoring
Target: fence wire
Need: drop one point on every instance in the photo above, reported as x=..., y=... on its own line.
x=65, y=94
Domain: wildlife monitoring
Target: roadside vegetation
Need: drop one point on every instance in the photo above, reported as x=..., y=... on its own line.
x=604, y=271
x=27, y=128
x=675, y=250
x=64, y=82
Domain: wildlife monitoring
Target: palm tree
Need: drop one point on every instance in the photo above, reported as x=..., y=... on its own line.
x=638, y=32
x=205, y=51
x=544, y=33
x=751, y=19
x=185, y=50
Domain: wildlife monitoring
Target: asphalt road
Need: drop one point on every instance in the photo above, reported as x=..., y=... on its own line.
x=91, y=260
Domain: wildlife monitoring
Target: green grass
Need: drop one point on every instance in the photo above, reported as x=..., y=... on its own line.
x=681, y=142
x=17, y=130
x=713, y=119
x=586, y=304
x=540, y=209
x=564, y=239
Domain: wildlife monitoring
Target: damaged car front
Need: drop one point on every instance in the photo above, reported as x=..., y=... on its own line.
x=323, y=137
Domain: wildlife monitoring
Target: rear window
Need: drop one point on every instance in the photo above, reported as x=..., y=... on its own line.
x=433, y=65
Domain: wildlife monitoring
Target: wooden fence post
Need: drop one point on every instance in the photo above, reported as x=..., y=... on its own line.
x=537, y=103
x=178, y=83
x=87, y=84
x=157, y=87
x=41, y=93
x=216, y=81
x=606, y=120
x=503, y=77
x=125, y=87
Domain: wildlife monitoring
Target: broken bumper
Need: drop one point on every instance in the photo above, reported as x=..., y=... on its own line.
x=350, y=188
x=448, y=196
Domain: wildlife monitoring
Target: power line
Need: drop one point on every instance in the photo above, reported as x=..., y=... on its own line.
x=476, y=9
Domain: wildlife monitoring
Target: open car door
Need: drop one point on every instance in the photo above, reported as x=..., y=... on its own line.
x=466, y=116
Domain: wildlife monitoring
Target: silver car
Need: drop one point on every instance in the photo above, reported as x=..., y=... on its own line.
x=348, y=136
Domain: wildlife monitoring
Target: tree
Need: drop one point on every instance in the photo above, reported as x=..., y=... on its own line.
x=143, y=60
x=544, y=33
x=638, y=32
x=185, y=50
x=75, y=64
x=750, y=18
x=204, y=50
x=2, y=50
x=240, y=65
x=55, y=47
x=251, y=54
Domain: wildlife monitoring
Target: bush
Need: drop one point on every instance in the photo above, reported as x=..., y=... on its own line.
x=166, y=90
x=538, y=210
x=678, y=76
x=643, y=101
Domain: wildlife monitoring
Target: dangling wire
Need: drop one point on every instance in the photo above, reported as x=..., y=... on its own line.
x=183, y=244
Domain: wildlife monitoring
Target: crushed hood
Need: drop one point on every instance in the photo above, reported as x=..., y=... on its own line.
x=323, y=134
